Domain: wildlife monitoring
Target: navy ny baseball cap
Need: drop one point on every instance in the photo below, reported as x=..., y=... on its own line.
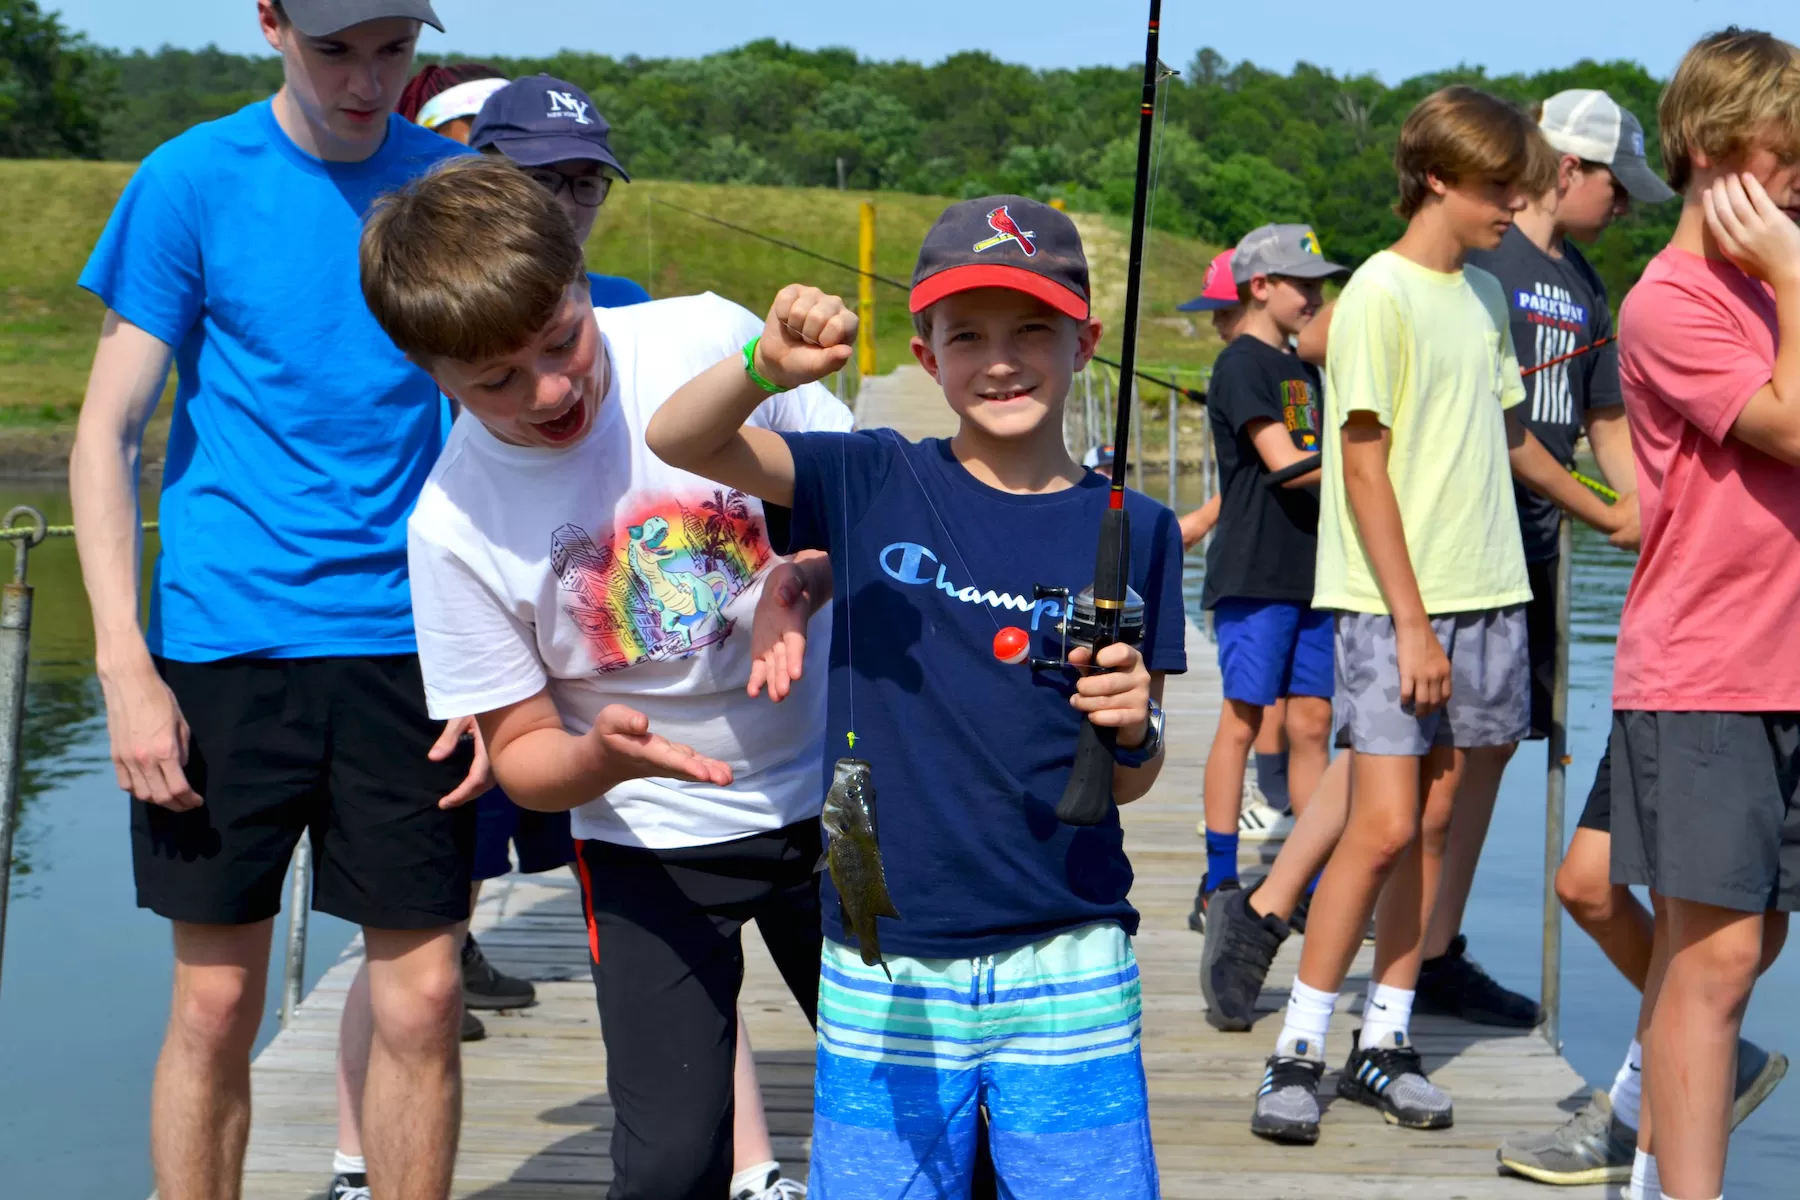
x=322, y=18
x=1003, y=242
x=539, y=120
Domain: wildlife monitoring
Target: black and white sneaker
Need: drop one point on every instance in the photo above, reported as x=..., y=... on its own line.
x=1287, y=1103
x=348, y=1187
x=1203, y=896
x=1240, y=948
x=485, y=987
x=1392, y=1078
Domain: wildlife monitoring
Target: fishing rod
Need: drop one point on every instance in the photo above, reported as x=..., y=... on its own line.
x=1195, y=394
x=1104, y=613
x=1311, y=462
x=1563, y=358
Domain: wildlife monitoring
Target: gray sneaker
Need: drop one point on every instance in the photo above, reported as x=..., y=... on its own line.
x=1758, y=1071
x=1390, y=1077
x=1287, y=1102
x=1593, y=1146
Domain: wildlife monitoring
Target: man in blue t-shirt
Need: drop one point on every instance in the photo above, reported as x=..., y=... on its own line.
x=552, y=130
x=277, y=688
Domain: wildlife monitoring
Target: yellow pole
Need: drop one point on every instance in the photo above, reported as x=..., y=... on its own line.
x=1059, y=204
x=865, y=293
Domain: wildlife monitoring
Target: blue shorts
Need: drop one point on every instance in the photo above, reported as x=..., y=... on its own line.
x=1044, y=1037
x=541, y=839
x=1273, y=648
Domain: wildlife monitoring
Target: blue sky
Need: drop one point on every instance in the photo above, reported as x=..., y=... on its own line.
x=1393, y=38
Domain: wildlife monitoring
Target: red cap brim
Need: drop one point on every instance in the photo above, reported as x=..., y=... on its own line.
x=995, y=275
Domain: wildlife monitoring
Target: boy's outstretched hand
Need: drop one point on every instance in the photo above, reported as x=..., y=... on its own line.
x=628, y=750
x=1119, y=699
x=1755, y=234
x=808, y=336
x=778, y=632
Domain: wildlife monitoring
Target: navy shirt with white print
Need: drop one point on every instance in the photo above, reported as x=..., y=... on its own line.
x=970, y=755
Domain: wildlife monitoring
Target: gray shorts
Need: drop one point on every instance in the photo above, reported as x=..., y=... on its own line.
x=1703, y=807
x=1490, y=683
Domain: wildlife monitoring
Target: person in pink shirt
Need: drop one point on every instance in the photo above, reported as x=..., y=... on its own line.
x=1706, y=690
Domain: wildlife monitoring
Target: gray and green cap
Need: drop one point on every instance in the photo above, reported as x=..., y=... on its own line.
x=1290, y=250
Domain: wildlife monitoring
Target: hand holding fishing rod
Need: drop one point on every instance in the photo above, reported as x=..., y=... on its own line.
x=1099, y=617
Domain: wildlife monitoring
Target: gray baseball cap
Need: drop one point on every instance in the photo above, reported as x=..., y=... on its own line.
x=1590, y=125
x=1291, y=250
x=322, y=18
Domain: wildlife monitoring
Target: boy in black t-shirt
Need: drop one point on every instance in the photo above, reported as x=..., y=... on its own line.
x=1264, y=404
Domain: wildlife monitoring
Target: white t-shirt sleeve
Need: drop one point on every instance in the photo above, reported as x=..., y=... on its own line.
x=475, y=655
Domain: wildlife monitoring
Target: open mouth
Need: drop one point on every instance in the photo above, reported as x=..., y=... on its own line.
x=561, y=429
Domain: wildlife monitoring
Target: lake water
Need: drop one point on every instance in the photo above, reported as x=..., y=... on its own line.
x=86, y=977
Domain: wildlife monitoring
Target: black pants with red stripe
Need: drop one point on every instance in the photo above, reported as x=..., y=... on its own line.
x=665, y=939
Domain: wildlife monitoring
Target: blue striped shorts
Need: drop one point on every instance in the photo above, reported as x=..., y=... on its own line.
x=1044, y=1037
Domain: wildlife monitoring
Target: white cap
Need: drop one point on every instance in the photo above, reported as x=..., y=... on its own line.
x=462, y=101
x=1590, y=125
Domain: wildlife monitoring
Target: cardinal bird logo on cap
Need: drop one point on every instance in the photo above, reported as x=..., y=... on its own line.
x=1007, y=230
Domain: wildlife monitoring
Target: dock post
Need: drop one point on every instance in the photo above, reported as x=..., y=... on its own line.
x=1555, y=791
x=299, y=910
x=865, y=292
x=1174, y=423
x=15, y=648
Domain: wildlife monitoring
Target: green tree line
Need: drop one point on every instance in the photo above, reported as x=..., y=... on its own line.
x=1240, y=145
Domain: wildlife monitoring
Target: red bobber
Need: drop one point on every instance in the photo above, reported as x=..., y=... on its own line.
x=1012, y=645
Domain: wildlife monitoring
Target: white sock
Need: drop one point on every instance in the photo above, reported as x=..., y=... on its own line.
x=1387, y=1012
x=754, y=1179
x=1308, y=1017
x=348, y=1164
x=1646, y=1184
x=1628, y=1085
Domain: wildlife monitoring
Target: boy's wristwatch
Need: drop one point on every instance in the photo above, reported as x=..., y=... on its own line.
x=1137, y=756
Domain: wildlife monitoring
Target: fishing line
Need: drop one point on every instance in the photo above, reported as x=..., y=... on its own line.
x=1194, y=394
x=849, y=598
x=944, y=525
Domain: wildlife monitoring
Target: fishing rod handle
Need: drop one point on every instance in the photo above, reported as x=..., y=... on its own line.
x=1089, y=796
x=1293, y=470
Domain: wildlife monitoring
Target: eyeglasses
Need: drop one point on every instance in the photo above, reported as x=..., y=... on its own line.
x=589, y=190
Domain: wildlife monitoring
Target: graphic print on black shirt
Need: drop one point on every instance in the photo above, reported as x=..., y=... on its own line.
x=1267, y=536
x=1558, y=306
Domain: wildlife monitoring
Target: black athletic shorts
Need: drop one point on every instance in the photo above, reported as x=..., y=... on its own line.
x=1540, y=634
x=332, y=745
x=666, y=943
x=1597, y=813
x=1704, y=807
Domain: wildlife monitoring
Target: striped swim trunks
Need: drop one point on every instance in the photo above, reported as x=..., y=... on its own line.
x=1044, y=1037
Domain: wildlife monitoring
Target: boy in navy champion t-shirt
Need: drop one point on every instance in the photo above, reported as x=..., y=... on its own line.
x=1013, y=923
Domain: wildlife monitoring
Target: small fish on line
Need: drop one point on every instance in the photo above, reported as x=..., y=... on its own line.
x=854, y=856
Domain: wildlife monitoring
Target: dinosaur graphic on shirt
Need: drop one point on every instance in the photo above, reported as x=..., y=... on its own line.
x=654, y=582
x=685, y=599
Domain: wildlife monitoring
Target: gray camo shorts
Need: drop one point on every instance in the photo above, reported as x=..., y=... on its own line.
x=1490, y=683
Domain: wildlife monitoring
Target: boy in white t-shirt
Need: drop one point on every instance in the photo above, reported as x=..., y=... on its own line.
x=578, y=594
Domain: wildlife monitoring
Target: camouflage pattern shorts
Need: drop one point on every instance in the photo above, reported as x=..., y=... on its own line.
x=1490, y=683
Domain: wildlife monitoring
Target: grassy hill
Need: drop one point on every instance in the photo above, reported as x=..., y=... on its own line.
x=53, y=212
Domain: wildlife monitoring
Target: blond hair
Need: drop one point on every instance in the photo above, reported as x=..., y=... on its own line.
x=1459, y=133
x=1733, y=89
x=469, y=261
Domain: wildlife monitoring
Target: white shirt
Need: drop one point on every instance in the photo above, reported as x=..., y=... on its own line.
x=612, y=578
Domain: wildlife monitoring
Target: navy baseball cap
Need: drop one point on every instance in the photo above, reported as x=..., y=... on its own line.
x=322, y=18
x=1003, y=242
x=540, y=120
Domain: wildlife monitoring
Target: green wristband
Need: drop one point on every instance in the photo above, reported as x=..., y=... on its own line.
x=750, y=367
